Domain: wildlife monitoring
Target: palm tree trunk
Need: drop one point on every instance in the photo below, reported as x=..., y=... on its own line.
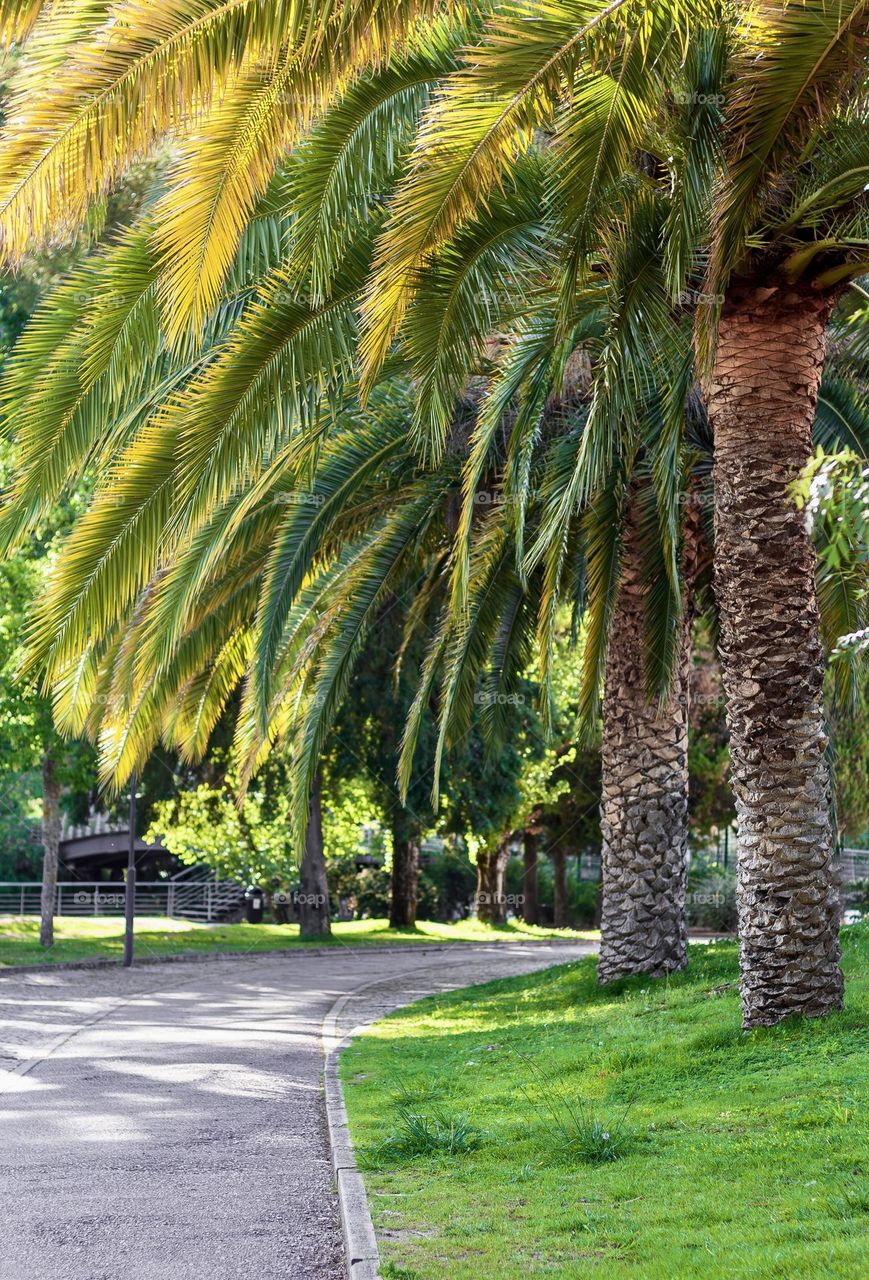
x=405, y=873
x=314, y=914
x=492, y=883
x=530, y=912
x=761, y=400
x=559, y=881
x=644, y=806
x=50, y=848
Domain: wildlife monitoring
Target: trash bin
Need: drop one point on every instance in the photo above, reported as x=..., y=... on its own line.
x=254, y=903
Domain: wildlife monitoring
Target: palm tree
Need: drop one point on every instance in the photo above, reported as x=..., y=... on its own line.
x=607, y=89
x=284, y=538
x=59, y=419
x=757, y=141
x=223, y=176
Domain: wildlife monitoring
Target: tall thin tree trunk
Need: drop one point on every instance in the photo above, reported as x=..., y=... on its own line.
x=644, y=808
x=530, y=911
x=314, y=912
x=50, y=848
x=492, y=883
x=405, y=874
x=762, y=399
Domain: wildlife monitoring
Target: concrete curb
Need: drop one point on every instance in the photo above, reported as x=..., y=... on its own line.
x=360, y=1243
x=195, y=957
x=361, y=1254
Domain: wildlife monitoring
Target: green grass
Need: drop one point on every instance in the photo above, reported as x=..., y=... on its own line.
x=93, y=938
x=739, y=1154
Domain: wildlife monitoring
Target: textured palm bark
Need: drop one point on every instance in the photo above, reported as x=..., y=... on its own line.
x=559, y=883
x=644, y=802
x=530, y=910
x=492, y=884
x=405, y=876
x=761, y=400
x=314, y=914
x=50, y=848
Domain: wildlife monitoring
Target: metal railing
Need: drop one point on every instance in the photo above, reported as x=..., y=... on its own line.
x=201, y=899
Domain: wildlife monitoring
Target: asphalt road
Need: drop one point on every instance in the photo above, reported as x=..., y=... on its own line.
x=167, y=1122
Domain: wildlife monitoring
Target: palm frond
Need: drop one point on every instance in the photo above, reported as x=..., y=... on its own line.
x=792, y=65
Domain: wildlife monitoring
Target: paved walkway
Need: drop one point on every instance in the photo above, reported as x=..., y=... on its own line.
x=166, y=1123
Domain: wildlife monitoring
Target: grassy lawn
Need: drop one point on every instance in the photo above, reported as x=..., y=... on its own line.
x=92, y=938
x=733, y=1154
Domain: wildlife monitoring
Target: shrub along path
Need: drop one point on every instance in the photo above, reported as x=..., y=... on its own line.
x=543, y=1126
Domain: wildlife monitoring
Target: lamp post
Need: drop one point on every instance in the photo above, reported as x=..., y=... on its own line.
x=130, y=895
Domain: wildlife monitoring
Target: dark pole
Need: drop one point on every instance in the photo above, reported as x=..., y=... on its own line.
x=130, y=896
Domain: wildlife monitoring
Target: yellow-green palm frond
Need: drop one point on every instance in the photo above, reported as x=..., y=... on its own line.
x=602, y=540
x=305, y=627
x=631, y=361
x=181, y=706
x=353, y=614
x=224, y=547
x=93, y=365
x=472, y=637
x=344, y=166
x=345, y=472
x=87, y=107
x=91, y=350
x=219, y=176
x=471, y=288
x=18, y=17
x=111, y=554
x=283, y=368
x=695, y=138
x=609, y=116
x=72, y=129
x=602, y=56
x=193, y=716
x=528, y=373
x=79, y=688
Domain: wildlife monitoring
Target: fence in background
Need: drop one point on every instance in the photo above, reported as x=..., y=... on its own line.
x=207, y=900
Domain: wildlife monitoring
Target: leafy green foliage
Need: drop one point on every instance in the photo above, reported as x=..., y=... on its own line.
x=249, y=843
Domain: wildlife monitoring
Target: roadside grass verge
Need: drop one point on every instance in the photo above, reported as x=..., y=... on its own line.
x=102, y=937
x=738, y=1154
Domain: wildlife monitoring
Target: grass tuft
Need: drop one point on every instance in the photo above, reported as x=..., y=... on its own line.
x=435, y=1134
x=582, y=1134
